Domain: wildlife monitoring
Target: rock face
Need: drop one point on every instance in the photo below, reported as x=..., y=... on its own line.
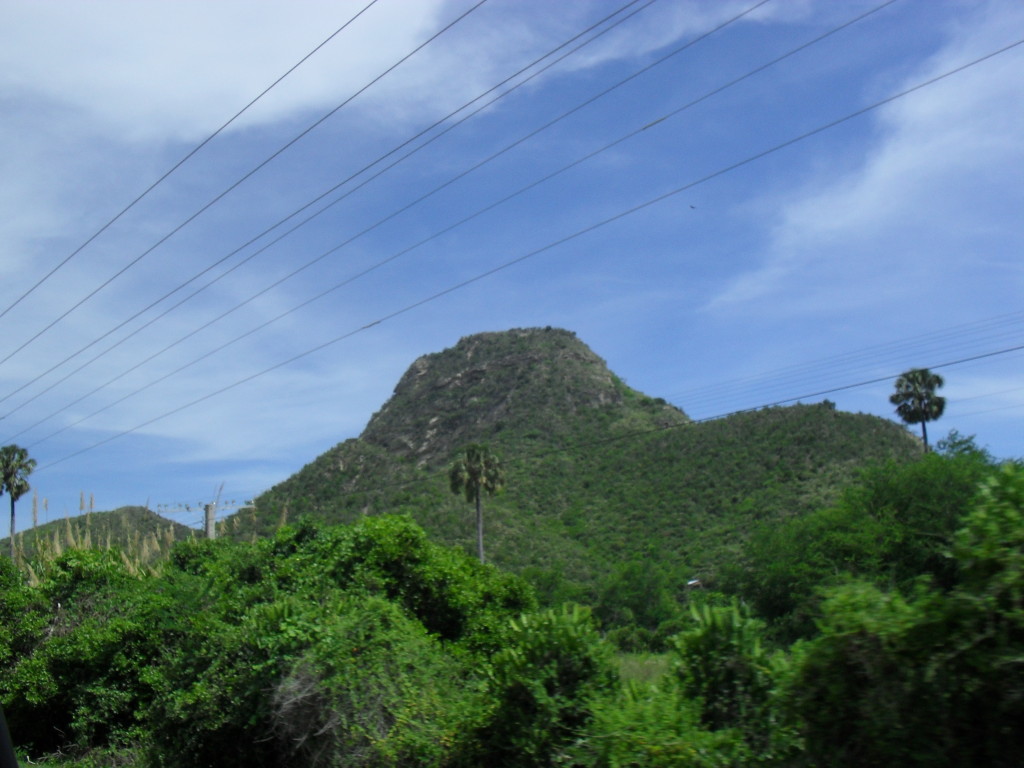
x=493, y=386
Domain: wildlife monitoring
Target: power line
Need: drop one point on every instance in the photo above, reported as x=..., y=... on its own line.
x=240, y=181
x=993, y=410
x=183, y=160
x=948, y=340
x=405, y=251
x=990, y=394
x=408, y=206
x=309, y=204
x=561, y=241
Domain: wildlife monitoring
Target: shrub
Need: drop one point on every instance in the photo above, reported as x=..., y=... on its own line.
x=932, y=681
x=724, y=665
x=374, y=690
x=653, y=727
x=541, y=688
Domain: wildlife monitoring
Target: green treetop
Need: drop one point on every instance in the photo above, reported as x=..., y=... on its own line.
x=915, y=399
x=15, y=467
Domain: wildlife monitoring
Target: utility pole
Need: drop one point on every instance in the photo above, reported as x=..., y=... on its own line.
x=210, y=515
x=210, y=511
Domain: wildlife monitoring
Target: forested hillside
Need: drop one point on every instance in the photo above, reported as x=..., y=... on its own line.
x=599, y=476
x=369, y=645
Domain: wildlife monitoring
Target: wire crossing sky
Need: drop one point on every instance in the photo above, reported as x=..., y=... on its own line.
x=181, y=162
x=238, y=182
x=366, y=230
x=297, y=226
x=734, y=203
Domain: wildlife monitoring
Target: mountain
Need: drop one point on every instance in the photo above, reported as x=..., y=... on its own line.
x=598, y=474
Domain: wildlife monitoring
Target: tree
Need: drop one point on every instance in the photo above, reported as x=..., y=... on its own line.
x=15, y=467
x=915, y=398
x=475, y=471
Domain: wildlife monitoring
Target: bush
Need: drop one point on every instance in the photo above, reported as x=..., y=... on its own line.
x=931, y=681
x=541, y=688
x=895, y=525
x=79, y=683
x=374, y=690
x=653, y=727
x=23, y=616
x=725, y=667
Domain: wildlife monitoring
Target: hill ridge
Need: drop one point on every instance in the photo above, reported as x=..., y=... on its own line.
x=577, y=504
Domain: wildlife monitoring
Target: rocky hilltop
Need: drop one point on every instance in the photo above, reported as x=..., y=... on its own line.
x=497, y=386
x=598, y=474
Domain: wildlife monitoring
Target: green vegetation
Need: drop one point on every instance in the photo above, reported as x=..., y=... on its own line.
x=614, y=499
x=789, y=587
x=369, y=645
x=893, y=527
x=310, y=646
x=934, y=678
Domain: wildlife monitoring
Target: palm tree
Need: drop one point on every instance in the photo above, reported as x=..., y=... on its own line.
x=916, y=401
x=475, y=471
x=15, y=467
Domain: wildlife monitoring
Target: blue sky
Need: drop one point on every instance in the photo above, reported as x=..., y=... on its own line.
x=734, y=254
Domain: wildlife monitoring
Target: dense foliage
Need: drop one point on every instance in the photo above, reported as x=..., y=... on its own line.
x=822, y=592
x=935, y=679
x=368, y=645
x=892, y=527
x=317, y=643
x=622, y=525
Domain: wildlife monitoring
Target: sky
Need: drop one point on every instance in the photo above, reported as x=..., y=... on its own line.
x=735, y=203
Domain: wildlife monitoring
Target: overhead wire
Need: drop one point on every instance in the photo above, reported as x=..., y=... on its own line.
x=997, y=409
x=241, y=180
x=941, y=335
x=568, y=238
x=184, y=160
x=407, y=250
x=312, y=202
x=163, y=378
x=966, y=344
x=691, y=406
x=990, y=394
x=994, y=330
x=421, y=198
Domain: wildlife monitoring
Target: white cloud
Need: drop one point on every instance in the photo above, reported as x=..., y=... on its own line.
x=148, y=70
x=935, y=180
